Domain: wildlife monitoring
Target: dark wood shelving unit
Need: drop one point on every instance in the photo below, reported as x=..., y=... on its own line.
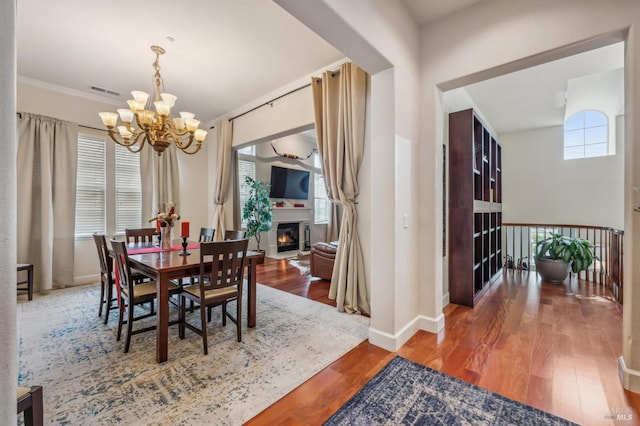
x=475, y=208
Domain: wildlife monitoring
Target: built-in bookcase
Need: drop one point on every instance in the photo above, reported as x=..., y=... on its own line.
x=475, y=208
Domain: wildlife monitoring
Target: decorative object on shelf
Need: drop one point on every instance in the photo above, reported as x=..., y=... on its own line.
x=292, y=156
x=156, y=128
x=559, y=254
x=257, y=210
x=165, y=222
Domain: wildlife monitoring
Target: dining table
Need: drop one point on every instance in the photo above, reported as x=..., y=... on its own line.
x=165, y=265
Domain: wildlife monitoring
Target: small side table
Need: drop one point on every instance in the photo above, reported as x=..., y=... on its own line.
x=29, y=281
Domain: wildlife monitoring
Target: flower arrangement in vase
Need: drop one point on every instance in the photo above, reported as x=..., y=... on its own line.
x=164, y=224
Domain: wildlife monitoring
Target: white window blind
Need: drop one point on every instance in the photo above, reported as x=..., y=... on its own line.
x=321, y=203
x=91, y=187
x=245, y=168
x=128, y=192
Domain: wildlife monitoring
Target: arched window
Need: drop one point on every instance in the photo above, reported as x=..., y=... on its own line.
x=586, y=134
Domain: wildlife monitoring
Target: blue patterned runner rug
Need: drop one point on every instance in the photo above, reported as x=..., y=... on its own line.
x=407, y=393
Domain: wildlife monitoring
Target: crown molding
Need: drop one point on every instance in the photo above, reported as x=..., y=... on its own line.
x=68, y=91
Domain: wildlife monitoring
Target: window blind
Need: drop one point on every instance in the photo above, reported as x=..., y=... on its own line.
x=245, y=168
x=91, y=187
x=128, y=192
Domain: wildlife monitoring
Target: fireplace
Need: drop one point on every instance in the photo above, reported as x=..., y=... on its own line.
x=288, y=236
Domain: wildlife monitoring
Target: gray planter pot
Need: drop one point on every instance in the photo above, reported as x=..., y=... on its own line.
x=552, y=270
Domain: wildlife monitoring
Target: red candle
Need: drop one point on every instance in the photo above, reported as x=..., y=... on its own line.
x=158, y=225
x=185, y=229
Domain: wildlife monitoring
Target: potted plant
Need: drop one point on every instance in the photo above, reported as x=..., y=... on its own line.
x=558, y=254
x=257, y=209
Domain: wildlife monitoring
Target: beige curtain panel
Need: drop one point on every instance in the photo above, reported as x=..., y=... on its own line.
x=339, y=105
x=46, y=166
x=224, y=139
x=159, y=180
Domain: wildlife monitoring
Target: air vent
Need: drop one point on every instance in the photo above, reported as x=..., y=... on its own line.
x=105, y=91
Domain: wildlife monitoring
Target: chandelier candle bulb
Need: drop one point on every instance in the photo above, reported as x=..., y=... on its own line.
x=185, y=229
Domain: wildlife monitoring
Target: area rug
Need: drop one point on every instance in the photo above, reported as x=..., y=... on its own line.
x=87, y=379
x=407, y=393
x=303, y=263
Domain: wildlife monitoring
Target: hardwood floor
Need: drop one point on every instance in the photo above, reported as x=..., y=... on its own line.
x=551, y=346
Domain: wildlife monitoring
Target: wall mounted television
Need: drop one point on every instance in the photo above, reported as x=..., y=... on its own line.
x=289, y=183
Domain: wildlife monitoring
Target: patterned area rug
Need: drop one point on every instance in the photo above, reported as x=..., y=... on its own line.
x=87, y=379
x=407, y=393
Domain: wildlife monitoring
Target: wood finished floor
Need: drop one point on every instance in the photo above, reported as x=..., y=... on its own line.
x=551, y=346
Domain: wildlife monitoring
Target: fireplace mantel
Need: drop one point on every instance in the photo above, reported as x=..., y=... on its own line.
x=301, y=215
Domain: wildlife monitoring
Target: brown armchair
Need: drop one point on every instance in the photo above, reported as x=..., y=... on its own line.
x=323, y=255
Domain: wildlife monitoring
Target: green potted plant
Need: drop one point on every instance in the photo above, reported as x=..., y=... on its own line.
x=558, y=254
x=257, y=209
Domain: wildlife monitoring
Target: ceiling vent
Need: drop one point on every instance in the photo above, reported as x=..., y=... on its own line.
x=105, y=91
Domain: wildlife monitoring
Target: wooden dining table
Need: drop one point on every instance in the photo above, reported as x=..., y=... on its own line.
x=164, y=265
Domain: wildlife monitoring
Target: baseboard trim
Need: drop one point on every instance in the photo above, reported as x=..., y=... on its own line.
x=86, y=279
x=445, y=299
x=393, y=342
x=629, y=378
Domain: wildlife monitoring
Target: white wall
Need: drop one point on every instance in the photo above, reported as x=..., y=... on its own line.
x=539, y=186
x=194, y=187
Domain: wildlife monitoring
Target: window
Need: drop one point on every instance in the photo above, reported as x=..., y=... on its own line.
x=90, y=187
x=586, y=135
x=248, y=150
x=321, y=203
x=128, y=190
x=108, y=194
x=245, y=168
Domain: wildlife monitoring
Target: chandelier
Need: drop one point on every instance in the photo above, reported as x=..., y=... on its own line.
x=157, y=128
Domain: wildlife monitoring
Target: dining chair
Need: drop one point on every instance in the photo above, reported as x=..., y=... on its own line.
x=206, y=235
x=106, y=277
x=140, y=235
x=231, y=234
x=219, y=284
x=132, y=294
x=30, y=403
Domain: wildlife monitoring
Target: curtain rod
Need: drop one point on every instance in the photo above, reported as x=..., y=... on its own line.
x=333, y=74
x=19, y=114
x=267, y=103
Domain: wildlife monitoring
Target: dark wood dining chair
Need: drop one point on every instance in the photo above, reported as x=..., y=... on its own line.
x=30, y=403
x=140, y=235
x=232, y=234
x=218, y=285
x=107, y=298
x=132, y=294
x=206, y=235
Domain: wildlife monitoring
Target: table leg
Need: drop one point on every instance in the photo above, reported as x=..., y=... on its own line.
x=162, y=318
x=251, y=293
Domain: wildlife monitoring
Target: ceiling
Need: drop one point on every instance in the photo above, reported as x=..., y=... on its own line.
x=534, y=97
x=227, y=53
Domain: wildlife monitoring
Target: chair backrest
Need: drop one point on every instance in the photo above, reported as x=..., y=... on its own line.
x=122, y=263
x=106, y=262
x=235, y=235
x=227, y=264
x=206, y=235
x=140, y=235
